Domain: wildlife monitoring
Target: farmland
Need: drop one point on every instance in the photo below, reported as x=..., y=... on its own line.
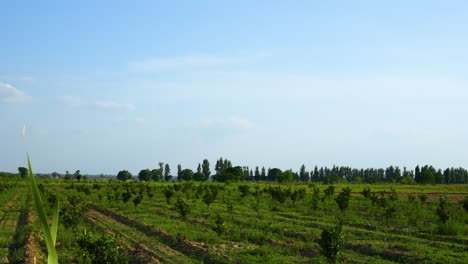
x=235, y=222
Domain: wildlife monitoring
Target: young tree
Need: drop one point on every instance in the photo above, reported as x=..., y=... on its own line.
x=144, y=175
x=331, y=242
x=167, y=172
x=124, y=175
x=77, y=175
x=303, y=174
x=185, y=175
x=257, y=174
x=23, y=172
x=179, y=170
x=206, y=168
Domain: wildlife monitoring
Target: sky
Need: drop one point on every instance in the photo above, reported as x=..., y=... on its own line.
x=104, y=86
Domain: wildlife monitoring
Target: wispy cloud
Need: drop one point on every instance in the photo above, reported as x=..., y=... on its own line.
x=191, y=62
x=11, y=94
x=76, y=101
x=114, y=105
x=231, y=122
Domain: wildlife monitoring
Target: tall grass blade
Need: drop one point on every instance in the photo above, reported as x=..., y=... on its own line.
x=50, y=241
x=55, y=220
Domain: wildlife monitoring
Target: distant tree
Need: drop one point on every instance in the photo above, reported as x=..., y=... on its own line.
x=206, y=168
x=285, y=176
x=257, y=174
x=67, y=175
x=144, y=175
x=23, y=172
x=263, y=175
x=185, y=175
x=274, y=174
x=77, y=175
x=179, y=170
x=199, y=170
x=124, y=175
x=303, y=174
x=156, y=175
x=167, y=172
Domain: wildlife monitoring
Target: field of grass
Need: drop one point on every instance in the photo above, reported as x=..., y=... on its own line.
x=245, y=222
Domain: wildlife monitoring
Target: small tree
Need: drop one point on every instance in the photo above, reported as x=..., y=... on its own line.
x=464, y=203
x=331, y=242
x=315, y=198
x=124, y=175
x=168, y=193
x=443, y=211
x=343, y=198
x=23, y=172
x=182, y=208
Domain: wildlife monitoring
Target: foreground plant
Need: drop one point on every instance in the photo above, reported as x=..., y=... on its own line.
x=331, y=242
x=50, y=233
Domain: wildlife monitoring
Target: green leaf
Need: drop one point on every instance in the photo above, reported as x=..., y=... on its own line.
x=55, y=218
x=50, y=242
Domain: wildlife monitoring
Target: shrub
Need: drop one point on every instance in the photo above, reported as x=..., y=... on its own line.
x=219, y=227
x=422, y=198
x=366, y=192
x=244, y=189
x=315, y=198
x=329, y=191
x=343, y=198
x=182, y=208
x=102, y=249
x=464, y=203
x=168, y=193
x=331, y=242
x=443, y=211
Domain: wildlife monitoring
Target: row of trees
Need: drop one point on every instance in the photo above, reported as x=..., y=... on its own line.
x=225, y=171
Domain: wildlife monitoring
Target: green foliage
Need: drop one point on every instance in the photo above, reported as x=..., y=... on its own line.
x=464, y=203
x=422, y=198
x=182, y=208
x=329, y=191
x=315, y=198
x=244, y=189
x=366, y=192
x=71, y=215
x=343, y=198
x=220, y=226
x=101, y=249
x=23, y=172
x=210, y=194
x=442, y=210
x=50, y=233
x=124, y=175
x=168, y=193
x=331, y=242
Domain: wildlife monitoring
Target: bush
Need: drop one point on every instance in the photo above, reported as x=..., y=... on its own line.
x=423, y=198
x=464, y=203
x=329, y=191
x=366, y=192
x=102, y=249
x=219, y=227
x=331, y=242
x=443, y=211
x=343, y=198
x=182, y=208
x=450, y=228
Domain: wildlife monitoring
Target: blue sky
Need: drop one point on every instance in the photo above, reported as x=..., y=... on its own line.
x=104, y=86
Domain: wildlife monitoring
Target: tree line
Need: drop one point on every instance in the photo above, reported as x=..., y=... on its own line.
x=225, y=171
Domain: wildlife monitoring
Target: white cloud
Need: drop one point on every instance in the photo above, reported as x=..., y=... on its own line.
x=230, y=122
x=114, y=105
x=11, y=94
x=76, y=101
x=73, y=101
x=191, y=62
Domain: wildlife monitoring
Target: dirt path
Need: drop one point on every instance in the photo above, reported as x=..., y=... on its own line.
x=149, y=247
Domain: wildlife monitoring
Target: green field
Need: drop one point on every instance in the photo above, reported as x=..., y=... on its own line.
x=245, y=222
